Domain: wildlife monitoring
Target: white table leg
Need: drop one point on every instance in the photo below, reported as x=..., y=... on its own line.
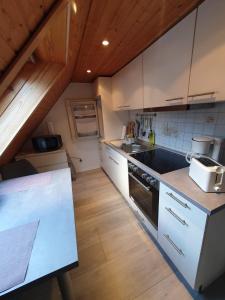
x=65, y=286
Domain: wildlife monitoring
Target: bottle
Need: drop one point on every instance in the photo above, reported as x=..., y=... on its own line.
x=151, y=137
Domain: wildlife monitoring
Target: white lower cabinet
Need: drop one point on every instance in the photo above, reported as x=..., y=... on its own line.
x=190, y=238
x=115, y=165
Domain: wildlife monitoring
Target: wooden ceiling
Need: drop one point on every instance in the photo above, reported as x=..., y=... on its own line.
x=57, y=86
x=18, y=20
x=129, y=25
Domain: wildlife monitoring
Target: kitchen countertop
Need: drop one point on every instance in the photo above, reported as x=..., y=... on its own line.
x=46, y=197
x=180, y=181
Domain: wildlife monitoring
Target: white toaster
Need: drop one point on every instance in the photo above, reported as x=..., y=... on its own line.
x=208, y=174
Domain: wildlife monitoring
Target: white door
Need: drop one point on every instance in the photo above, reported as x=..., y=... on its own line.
x=127, y=86
x=166, y=66
x=208, y=64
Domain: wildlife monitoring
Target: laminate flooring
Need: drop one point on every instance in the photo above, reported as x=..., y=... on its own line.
x=117, y=259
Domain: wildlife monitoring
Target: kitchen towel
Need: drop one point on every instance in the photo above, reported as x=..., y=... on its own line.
x=15, y=251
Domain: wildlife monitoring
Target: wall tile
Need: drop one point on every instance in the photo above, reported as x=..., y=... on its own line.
x=176, y=129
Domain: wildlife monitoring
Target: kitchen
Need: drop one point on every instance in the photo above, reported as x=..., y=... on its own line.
x=144, y=141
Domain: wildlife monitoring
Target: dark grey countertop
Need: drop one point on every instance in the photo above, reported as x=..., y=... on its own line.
x=181, y=182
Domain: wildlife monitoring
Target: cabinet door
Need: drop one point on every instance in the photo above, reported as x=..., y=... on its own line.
x=208, y=63
x=127, y=86
x=115, y=165
x=166, y=66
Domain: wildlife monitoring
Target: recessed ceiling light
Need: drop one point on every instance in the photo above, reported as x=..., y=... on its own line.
x=105, y=43
x=88, y=71
x=74, y=6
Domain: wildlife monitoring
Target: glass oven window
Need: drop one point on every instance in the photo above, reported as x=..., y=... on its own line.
x=147, y=201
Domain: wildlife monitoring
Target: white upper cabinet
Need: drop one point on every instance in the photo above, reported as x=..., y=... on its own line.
x=166, y=66
x=208, y=63
x=127, y=86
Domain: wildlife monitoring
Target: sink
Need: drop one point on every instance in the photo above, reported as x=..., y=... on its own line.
x=129, y=148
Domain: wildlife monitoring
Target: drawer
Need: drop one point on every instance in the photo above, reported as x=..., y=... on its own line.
x=182, y=206
x=181, y=233
x=183, y=252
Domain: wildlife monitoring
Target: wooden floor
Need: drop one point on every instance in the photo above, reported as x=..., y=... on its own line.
x=118, y=260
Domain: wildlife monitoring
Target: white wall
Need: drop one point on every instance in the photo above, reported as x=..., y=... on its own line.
x=88, y=150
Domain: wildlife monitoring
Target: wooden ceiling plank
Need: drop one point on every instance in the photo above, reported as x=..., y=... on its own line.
x=136, y=24
x=132, y=33
x=31, y=12
x=120, y=29
x=46, y=4
x=30, y=46
x=57, y=86
x=53, y=47
x=94, y=33
x=6, y=54
x=12, y=27
x=26, y=101
x=141, y=37
x=79, y=21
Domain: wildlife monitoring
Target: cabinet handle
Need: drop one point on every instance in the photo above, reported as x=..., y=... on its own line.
x=176, y=216
x=148, y=189
x=201, y=94
x=178, y=200
x=116, y=162
x=123, y=106
x=174, y=99
x=173, y=244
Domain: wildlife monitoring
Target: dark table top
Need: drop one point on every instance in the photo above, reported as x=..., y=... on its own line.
x=46, y=197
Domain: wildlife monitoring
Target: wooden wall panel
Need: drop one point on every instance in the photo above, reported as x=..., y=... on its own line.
x=53, y=46
x=54, y=93
x=18, y=19
x=130, y=26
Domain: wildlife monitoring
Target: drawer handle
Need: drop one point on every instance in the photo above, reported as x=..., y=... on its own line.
x=123, y=106
x=174, y=99
x=201, y=94
x=116, y=162
x=176, y=216
x=173, y=244
x=178, y=200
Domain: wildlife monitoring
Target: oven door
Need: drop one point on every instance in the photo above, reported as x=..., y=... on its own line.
x=145, y=198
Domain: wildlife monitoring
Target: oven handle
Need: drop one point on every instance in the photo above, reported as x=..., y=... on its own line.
x=145, y=187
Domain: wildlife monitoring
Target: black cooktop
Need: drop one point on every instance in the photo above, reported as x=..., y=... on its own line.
x=161, y=160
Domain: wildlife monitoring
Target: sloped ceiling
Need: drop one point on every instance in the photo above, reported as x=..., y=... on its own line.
x=129, y=25
x=76, y=22
x=18, y=20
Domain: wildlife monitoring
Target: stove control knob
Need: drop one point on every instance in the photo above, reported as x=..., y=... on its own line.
x=131, y=166
x=153, y=181
x=144, y=175
x=148, y=179
x=135, y=169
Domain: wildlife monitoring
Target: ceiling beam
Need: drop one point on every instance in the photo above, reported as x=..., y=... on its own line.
x=30, y=46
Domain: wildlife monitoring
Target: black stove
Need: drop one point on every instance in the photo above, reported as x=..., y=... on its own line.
x=161, y=160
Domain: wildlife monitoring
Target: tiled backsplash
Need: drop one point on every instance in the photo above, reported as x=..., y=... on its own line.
x=176, y=129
